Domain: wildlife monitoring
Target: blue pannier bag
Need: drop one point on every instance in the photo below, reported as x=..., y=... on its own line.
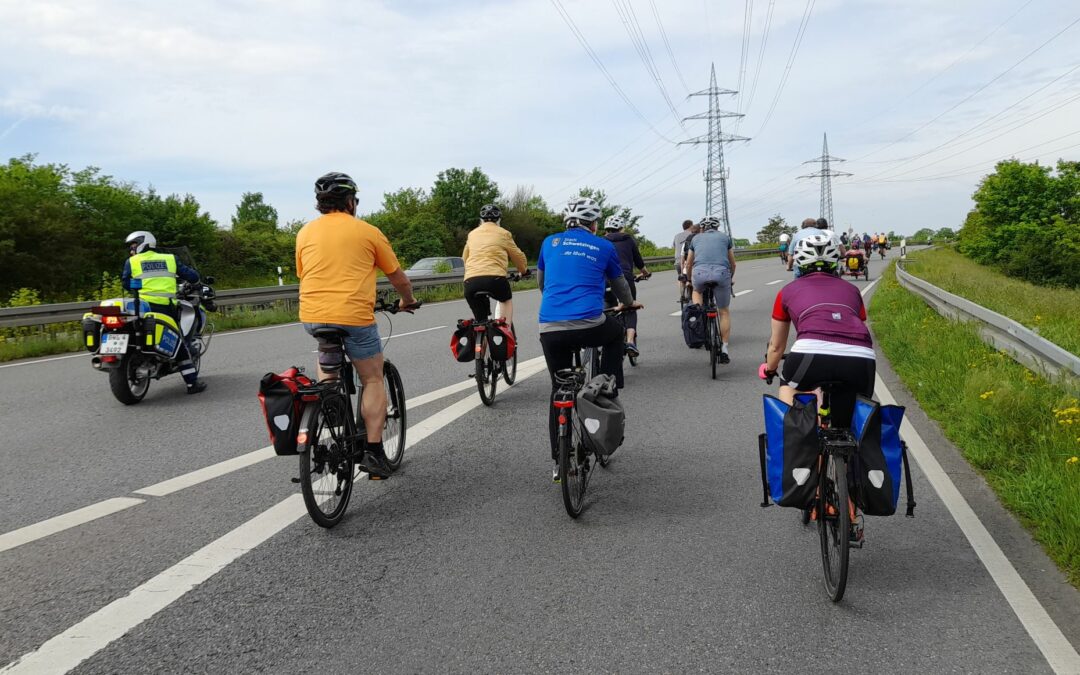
x=788, y=451
x=881, y=456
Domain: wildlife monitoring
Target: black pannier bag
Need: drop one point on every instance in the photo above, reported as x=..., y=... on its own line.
x=602, y=417
x=788, y=451
x=279, y=396
x=463, y=341
x=693, y=325
x=501, y=342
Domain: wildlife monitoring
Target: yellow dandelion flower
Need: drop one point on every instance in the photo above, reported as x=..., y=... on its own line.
x=986, y=394
x=1074, y=459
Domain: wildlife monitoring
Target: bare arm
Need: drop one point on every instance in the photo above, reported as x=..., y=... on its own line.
x=690, y=262
x=403, y=286
x=777, y=343
x=731, y=259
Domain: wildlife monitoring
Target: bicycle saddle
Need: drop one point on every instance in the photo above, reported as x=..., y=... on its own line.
x=712, y=284
x=330, y=333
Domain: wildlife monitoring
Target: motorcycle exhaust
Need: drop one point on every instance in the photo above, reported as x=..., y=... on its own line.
x=96, y=362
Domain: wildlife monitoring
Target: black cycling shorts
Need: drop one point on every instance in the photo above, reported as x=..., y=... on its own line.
x=498, y=288
x=855, y=374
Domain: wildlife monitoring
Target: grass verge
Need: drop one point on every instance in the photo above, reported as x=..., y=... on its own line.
x=1051, y=312
x=1021, y=432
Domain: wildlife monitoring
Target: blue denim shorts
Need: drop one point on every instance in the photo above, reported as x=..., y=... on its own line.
x=362, y=342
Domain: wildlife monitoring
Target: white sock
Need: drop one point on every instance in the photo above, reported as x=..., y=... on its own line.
x=723, y=347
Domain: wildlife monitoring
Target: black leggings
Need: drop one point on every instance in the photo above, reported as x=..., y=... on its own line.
x=559, y=347
x=497, y=288
x=629, y=319
x=855, y=375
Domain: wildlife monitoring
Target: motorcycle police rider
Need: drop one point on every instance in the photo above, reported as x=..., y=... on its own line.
x=158, y=273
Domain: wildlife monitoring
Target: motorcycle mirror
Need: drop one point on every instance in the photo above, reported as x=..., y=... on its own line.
x=209, y=280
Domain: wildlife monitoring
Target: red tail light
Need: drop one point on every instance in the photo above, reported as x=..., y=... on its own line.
x=112, y=321
x=110, y=358
x=563, y=404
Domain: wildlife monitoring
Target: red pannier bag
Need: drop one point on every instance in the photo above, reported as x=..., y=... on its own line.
x=501, y=343
x=463, y=341
x=279, y=396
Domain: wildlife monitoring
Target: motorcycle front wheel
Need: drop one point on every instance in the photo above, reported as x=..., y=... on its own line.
x=128, y=382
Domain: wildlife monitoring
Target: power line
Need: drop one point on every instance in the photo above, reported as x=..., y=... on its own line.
x=974, y=93
x=790, y=62
x=760, y=58
x=744, y=52
x=641, y=46
x=667, y=45
x=600, y=65
x=941, y=72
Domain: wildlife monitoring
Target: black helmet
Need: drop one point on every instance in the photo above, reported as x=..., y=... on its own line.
x=335, y=183
x=489, y=213
x=822, y=224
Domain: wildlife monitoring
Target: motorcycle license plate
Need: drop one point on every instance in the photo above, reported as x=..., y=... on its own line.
x=114, y=343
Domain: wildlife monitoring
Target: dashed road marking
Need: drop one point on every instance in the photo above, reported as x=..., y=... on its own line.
x=778, y=281
x=40, y=530
x=749, y=290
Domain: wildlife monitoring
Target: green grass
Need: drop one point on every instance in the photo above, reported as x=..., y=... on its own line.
x=1052, y=312
x=1019, y=431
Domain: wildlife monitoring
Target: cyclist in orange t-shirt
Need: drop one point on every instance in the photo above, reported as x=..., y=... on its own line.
x=336, y=258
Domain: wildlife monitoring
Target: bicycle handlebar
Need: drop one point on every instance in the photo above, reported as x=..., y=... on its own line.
x=395, y=307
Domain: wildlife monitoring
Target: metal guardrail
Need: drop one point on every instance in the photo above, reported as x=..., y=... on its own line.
x=1022, y=343
x=40, y=315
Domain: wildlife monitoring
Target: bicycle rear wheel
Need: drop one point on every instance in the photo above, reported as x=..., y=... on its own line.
x=834, y=524
x=487, y=377
x=714, y=345
x=326, y=464
x=509, y=367
x=394, y=431
x=573, y=467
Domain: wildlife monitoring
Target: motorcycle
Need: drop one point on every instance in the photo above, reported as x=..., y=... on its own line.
x=134, y=344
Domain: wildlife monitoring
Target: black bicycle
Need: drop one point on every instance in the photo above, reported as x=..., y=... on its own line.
x=488, y=368
x=713, y=339
x=839, y=527
x=332, y=438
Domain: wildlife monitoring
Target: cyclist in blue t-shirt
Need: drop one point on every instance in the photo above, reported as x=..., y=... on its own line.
x=573, y=269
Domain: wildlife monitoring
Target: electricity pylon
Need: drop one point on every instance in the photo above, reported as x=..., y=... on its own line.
x=716, y=174
x=826, y=174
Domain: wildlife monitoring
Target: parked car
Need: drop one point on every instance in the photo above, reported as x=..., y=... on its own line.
x=426, y=266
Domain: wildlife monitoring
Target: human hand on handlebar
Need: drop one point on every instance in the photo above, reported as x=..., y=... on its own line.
x=766, y=374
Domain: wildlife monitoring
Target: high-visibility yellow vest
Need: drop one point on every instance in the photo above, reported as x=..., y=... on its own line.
x=157, y=271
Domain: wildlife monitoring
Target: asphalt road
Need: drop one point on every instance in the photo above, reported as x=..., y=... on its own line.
x=465, y=560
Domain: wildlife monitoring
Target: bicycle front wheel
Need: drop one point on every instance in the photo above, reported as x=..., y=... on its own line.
x=509, y=367
x=394, y=431
x=487, y=377
x=834, y=524
x=326, y=464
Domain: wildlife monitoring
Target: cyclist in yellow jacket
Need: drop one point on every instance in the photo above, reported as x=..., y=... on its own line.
x=488, y=253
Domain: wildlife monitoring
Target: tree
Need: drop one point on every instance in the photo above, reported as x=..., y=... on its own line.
x=740, y=243
x=253, y=215
x=457, y=197
x=944, y=234
x=630, y=219
x=529, y=219
x=925, y=234
x=418, y=242
x=770, y=234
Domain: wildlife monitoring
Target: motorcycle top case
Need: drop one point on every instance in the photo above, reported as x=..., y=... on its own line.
x=693, y=325
x=877, y=464
x=463, y=341
x=501, y=343
x=279, y=396
x=789, y=450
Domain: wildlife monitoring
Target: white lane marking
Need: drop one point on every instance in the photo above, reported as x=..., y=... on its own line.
x=243, y=461
x=54, y=358
x=78, y=643
x=870, y=285
x=749, y=290
x=25, y=535
x=678, y=313
x=207, y=473
x=778, y=281
x=422, y=330
x=1057, y=650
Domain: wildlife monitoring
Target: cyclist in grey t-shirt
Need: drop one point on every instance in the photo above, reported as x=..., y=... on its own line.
x=712, y=260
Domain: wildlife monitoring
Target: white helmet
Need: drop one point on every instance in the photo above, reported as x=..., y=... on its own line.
x=140, y=241
x=581, y=211
x=614, y=223
x=710, y=223
x=817, y=253
x=785, y=237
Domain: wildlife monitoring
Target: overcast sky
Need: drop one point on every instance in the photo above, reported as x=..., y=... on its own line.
x=221, y=97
